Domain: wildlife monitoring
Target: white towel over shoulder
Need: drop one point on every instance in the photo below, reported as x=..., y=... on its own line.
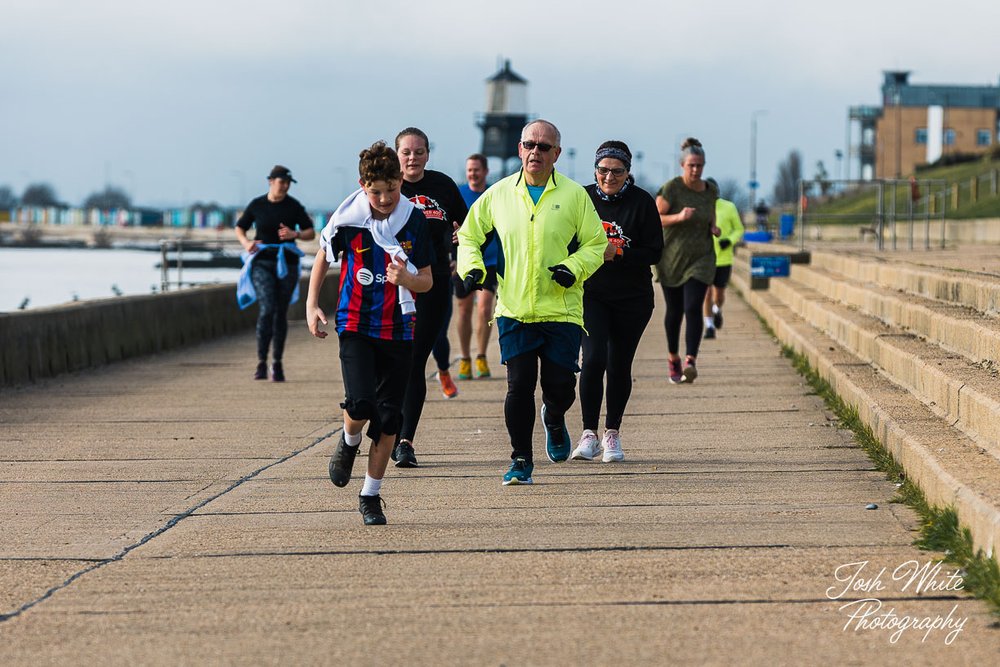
x=357, y=212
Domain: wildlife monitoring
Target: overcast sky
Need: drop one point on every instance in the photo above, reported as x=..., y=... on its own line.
x=196, y=99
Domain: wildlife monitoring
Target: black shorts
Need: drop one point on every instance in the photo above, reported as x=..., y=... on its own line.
x=375, y=373
x=489, y=282
x=722, y=274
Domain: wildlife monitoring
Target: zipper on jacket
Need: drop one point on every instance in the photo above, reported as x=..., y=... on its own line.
x=533, y=300
x=533, y=310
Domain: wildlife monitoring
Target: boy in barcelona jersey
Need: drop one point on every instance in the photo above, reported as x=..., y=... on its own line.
x=385, y=257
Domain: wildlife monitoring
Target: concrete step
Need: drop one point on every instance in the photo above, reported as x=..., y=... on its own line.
x=965, y=394
x=955, y=327
x=949, y=466
x=979, y=290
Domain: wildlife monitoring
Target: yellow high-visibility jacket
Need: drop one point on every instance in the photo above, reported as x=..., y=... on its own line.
x=562, y=228
x=727, y=219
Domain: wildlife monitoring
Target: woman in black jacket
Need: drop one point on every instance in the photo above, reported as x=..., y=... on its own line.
x=617, y=299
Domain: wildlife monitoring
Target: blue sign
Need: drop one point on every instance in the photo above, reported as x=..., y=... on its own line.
x=770, y=266
x=753, y=185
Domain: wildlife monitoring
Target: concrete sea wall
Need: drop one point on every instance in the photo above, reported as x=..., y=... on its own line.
x=43, y=343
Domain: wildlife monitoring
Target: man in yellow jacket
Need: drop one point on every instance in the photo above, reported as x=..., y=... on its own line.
x=550, y=241
x=727, y=219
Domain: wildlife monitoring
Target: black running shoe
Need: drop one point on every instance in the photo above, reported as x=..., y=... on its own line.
x=342, y=462
x=261, y=372
x=277, y=372
x=709, y=333
x=371, y=510
x=403, y=455
x=717, y=319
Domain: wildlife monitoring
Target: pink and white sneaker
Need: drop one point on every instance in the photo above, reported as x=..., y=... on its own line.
x=589, y=447
x=612, y=444
x=674, y=365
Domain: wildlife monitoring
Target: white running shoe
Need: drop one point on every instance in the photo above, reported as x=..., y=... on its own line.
x=612, y=444
x=589, y=447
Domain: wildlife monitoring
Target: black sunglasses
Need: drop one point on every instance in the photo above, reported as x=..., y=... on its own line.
x=617, y=171
x=531, y=145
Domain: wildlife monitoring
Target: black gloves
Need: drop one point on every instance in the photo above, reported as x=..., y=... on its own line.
x=725, y=243
x=471, y=283
x=562, y=275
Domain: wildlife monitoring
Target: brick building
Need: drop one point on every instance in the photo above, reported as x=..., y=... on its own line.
x=917, y=124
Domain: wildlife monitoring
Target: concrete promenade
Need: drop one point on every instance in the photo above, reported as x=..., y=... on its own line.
x=170, y=510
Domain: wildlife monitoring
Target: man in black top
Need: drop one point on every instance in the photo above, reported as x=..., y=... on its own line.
x=762, y=212
x=279, y=220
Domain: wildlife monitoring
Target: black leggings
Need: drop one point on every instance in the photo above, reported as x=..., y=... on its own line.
x=614, y=329
x=273, y=296
x=442, y=348
x=558, y=394
x=432, y=307
x=684, y=302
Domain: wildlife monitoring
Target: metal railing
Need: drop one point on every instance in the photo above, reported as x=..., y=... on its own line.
x=165, y=246
x=883, y=220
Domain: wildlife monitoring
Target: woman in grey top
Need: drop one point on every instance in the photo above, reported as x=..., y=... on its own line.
x=686, y=268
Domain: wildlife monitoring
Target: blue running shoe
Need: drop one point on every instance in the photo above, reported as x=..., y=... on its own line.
x=557, y=442
x=518, y=473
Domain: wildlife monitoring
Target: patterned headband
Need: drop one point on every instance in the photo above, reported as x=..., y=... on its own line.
x=616, y=153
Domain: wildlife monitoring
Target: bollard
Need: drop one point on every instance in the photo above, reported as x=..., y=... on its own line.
x=163, y=265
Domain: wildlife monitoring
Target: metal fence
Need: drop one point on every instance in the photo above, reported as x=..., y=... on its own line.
x=174, y=217
x=893, y=202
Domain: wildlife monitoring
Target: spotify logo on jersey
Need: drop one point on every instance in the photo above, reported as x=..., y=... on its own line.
x=365, y=277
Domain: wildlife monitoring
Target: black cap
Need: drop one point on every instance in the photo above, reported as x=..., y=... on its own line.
x=281, y=172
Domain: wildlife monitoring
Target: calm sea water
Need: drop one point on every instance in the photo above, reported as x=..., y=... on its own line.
x=49, y=277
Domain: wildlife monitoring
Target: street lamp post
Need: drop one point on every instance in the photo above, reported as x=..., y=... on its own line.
x=241, y=179
x=839, y=156
x=342, y=178
x=664, y=169
x=130, y=177
x=753, y=156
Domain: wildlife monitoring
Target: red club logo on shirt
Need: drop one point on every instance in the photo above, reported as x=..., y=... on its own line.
x=430, y=208
x=615, y=235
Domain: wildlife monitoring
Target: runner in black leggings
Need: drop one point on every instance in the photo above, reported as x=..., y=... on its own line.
x=438, y=197
x=684, y=302
x=279, y=220
x=686, y=268
x=274, y=295
x=617, y=299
